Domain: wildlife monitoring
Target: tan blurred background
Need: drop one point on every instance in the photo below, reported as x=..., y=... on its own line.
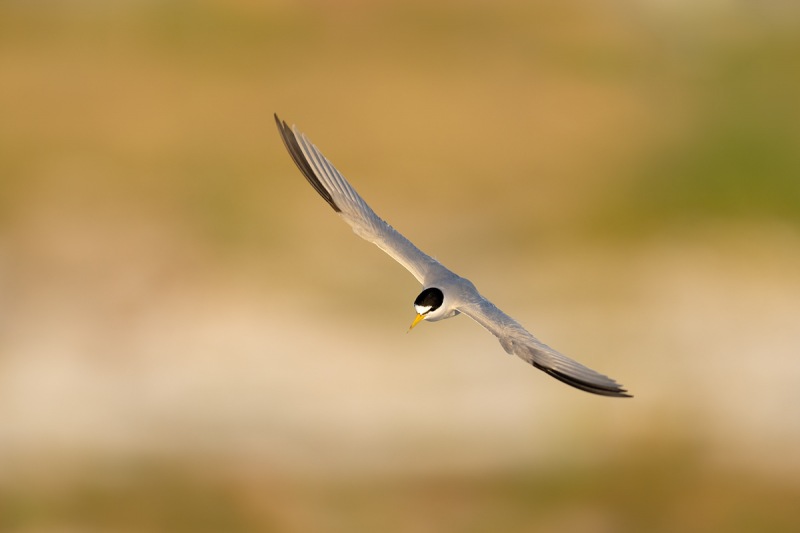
x=190, y=340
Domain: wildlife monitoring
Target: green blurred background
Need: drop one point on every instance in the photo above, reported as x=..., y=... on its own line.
x=190, y=340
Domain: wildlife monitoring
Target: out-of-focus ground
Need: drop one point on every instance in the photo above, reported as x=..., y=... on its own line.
x=190, y=340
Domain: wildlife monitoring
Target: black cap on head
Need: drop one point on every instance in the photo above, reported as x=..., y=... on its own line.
x=431, y=298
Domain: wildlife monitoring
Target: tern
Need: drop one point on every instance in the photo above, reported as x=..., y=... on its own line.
x=444, y=293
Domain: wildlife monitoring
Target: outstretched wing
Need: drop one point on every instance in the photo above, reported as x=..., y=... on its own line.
x=341, y=196
x=518, y=341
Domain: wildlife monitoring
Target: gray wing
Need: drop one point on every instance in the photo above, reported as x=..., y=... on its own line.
x=518, y=341
x=341, y=196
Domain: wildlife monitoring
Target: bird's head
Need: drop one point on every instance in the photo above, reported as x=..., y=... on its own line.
x=429, y=306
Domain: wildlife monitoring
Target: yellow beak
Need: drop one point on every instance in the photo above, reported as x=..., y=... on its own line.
x=417, y=320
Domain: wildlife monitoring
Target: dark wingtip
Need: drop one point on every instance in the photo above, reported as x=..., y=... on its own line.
x=613, y=391
x=293, y=147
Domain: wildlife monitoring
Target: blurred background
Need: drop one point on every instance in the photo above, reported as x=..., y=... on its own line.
x=191, y=340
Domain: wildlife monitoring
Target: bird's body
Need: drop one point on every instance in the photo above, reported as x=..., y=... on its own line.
x=445, y=294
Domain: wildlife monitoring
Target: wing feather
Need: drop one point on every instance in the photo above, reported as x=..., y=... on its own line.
x=343, y=198
x=518, y=341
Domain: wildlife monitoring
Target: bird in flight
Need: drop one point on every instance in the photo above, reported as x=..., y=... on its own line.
x=444, y=293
